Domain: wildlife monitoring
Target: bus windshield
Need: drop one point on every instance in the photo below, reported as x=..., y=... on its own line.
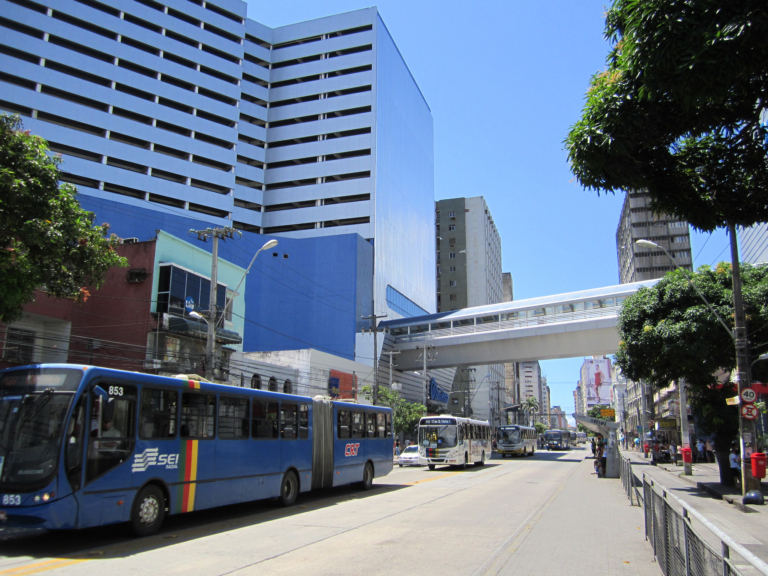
x=556, y=435
x=440, y=436
x=33, y=406
x=509, y=435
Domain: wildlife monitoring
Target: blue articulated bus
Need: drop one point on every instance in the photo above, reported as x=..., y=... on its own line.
x=87, y=446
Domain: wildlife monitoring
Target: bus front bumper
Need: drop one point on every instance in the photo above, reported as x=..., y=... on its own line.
x=56, y=515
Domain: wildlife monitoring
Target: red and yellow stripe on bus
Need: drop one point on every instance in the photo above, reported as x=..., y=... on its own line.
x=185, y=492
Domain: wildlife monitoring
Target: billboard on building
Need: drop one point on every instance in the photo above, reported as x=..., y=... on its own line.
x=342, y=386
x=598, y=373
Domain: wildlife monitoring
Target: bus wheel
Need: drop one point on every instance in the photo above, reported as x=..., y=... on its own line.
x=466, y=460
x=148, y=511
x=482, y=460
x=367, y=482
x=289, y=489
x=431, y=466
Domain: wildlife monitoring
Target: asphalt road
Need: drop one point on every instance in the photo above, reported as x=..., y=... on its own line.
x=445, y=521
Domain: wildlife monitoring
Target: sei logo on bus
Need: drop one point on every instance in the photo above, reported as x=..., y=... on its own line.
x=150, y=457
x=351, y=449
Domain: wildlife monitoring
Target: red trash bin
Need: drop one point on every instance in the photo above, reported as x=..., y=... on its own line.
x=758, y=464
x=687, y=455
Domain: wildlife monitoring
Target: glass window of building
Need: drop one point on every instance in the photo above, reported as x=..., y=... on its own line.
x=176, y=285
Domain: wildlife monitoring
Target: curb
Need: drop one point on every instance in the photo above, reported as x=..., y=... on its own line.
x=705, y=487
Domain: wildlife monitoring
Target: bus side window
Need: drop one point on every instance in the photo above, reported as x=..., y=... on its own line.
x=74, y=447
x=233, y=417
x=303, y=421
x=264, y=420
x=288, y=421
x=381, y=424
x=371, y=430
x=157, y=414
x=358, y=424
x=198, y=415
x=343, y=428
x=389, y=425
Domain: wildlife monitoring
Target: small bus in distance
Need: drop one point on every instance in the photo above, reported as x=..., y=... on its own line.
x=515, y=440
x=557, y=439
x=454, y=441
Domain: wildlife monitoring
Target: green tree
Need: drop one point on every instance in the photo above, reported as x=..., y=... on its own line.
x=530, y=406
x=668, y=334
x=540, y=427
x=677, y=112
x=405, y=415
x=48, y=241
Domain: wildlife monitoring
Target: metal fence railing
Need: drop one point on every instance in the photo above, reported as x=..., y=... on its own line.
x=678, y=547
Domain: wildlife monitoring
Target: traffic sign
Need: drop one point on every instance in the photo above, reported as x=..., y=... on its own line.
x=748, y=395
x=749, y=412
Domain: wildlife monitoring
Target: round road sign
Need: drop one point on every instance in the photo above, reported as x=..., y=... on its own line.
x=748, y=395
x=749, y=412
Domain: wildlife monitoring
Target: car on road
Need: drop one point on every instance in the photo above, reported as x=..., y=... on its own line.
x=409, y=456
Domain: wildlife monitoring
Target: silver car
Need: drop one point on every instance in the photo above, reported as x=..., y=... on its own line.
x=409, y=456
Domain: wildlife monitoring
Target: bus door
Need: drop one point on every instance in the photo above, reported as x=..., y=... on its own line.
x=234, y=457
x=106, y=492
x=295, y=446
x=264, y=467
x=348, y=449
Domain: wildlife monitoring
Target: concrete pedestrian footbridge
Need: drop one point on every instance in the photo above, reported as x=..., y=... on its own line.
x=561, y=326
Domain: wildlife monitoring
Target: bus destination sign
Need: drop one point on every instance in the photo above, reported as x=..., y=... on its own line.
x=437, y=421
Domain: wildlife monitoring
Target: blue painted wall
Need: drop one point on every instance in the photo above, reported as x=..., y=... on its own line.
x=314, y=298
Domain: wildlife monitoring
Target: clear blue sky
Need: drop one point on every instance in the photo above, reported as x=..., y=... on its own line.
x=505, y=80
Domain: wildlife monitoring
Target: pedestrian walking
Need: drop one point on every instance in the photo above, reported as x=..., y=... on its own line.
x=594, y=449
x=735, y=461
x=700, y=449
x=710, y=450
x=637, y=444
x=397, y=448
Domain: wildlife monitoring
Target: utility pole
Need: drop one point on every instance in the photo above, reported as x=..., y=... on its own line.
x=747, y=435
x=215, y=234
x=391, y=353
x=373, y=318
x=424, y=349
x=684, y=433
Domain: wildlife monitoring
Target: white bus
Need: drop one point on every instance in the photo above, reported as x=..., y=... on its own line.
x=516, y=440
x=453, y=441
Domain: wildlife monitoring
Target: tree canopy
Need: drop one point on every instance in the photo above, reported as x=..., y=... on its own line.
x=405, y=415
x=678, y=110
x=48, y=241
x=667, y=334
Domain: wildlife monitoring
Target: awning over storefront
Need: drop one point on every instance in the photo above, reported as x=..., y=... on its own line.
x=197, y=329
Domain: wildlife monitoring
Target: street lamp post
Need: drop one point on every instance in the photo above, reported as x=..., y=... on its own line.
x=747, y=430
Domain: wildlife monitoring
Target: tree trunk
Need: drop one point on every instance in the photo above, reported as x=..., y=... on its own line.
x=726, y=478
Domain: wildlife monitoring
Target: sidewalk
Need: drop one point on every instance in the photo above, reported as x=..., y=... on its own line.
x=702, y=492
x=587, y=527
x=707, y=477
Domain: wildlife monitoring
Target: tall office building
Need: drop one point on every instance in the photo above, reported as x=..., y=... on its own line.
x=638, y=222
x=179, y=111
x=753, y=244
x=469, y=274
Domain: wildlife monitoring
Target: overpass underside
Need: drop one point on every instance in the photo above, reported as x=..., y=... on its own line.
x=562, y=340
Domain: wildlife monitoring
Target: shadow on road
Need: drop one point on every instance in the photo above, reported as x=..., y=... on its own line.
x=118, y=541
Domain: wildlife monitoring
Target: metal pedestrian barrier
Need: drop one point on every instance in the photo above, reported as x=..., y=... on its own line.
x=679, y=549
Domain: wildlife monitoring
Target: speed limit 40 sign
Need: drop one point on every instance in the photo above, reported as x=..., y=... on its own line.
x=748, y=395
x=749, y=412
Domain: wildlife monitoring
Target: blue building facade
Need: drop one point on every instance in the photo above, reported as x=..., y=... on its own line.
x=188, y=113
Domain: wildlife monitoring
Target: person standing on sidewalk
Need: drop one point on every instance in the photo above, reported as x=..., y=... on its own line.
x=735, y=464
x=710, y=450
x=701, y=457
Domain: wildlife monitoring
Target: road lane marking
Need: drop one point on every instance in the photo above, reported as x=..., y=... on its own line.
x=430, y=479
x=42, y=566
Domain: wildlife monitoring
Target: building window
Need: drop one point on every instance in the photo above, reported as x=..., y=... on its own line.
x=453, y=297
x=177, y=287
x=453, y=282
x=451, y=227
x=172, y=348
x=452, y=214
x=453, y=269
x=451, y=254
x=19, y=345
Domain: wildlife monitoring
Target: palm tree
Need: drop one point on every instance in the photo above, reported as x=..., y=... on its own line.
x=530, y=407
